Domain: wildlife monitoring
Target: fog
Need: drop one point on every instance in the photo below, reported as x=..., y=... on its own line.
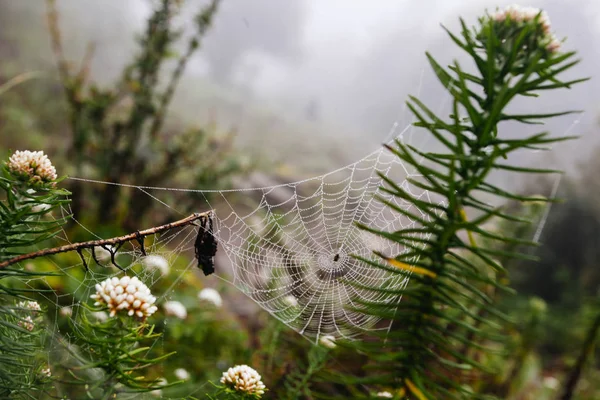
x=328, y=79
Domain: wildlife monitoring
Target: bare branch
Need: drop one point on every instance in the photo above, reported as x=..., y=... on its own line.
x=117, y=241
x=84, y=70
x=55, y=39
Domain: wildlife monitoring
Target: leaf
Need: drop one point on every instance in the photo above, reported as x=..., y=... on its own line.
x=415, y=390
x=410, y=268
x=525, y=117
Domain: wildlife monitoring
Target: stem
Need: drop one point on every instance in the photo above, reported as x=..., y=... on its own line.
x=165, y=100
x=585, y=354
x=301, y=385
x=138, y=236
x=467, y=176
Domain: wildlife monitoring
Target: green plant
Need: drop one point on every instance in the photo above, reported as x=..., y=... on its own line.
x=583, y=358
x=447, y=315
x=28, y=195
x=117, y=350
x=298, y=382
x=120, y=134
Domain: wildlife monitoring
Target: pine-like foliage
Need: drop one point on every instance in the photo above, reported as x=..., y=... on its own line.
x=447, y=319
x=297, y=383
x=25, y=209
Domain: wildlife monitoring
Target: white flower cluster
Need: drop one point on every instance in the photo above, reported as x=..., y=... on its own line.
x=27, y=323
x=517, y=13
x=155, y=262
x=66, y=311
x=33, y=166
x=210, y=296
x=100, y=316
x=40, y=208
x=30, y=305
x=182, y=373
x=523, y=14
x=327, y=341
x=386, y=395
x=244, y=379
x=551, y=383
x=129, y=294
x=175, y=309
x=46, y=372
x=158, y=392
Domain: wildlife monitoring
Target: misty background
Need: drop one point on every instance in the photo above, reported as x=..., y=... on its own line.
x=312, y=85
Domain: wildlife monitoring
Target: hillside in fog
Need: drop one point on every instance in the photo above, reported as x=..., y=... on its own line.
x=326, y=78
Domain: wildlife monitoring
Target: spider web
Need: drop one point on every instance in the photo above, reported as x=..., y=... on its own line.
x=291, y=247
x=294, y=253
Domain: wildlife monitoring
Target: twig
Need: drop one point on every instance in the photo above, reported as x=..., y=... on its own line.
x=84, y=70
x=55, y=39
x=204, y=22
x=586, y=353
x=118, y=241
x=17, y=80
x=168, y=95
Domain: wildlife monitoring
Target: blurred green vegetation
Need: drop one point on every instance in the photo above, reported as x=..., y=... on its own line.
x=90, y=130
